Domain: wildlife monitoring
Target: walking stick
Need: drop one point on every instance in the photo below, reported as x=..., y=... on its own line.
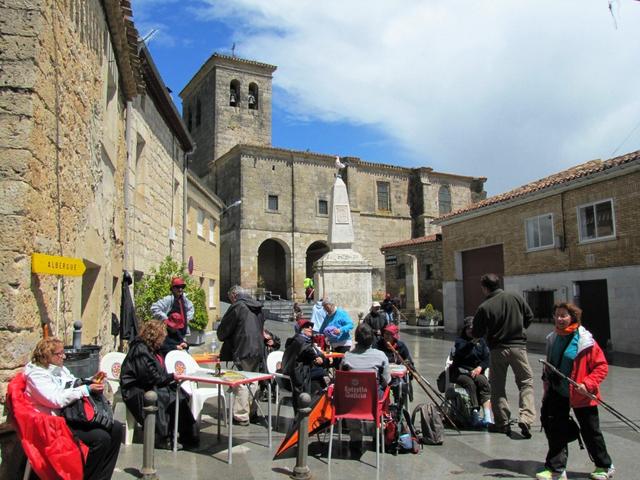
x=426, y=386
x=630, y=423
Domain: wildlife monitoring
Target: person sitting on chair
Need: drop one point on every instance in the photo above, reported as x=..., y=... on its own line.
x=391, y=338
x=364, y=357
x=470, y=362
x=50, y=386
x=143, y=370
x=174, y=339
x=304, y=363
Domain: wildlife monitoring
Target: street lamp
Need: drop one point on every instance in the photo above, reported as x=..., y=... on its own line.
x=228, y=207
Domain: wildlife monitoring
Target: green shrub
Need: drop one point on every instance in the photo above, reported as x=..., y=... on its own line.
x=431, y=313
x=155, y=285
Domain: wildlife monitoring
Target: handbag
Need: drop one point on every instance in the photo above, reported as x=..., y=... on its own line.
x=91, y=411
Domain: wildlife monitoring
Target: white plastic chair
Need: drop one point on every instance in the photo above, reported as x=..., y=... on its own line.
x=181, y=362
x=111, y=364
x=273, y=359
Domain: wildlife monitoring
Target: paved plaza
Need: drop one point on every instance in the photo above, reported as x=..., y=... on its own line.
x=469, y=455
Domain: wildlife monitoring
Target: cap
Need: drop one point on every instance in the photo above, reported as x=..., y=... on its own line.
x=177, y=282
x=175, y=320
x=376, y=304
x=303, y=323
x=393, y=330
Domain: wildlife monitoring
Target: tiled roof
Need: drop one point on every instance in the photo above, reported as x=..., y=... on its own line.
x=564, y=177
x=242, y=60
x=412, y=241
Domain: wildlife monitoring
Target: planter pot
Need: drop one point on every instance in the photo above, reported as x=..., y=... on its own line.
x=195, y=337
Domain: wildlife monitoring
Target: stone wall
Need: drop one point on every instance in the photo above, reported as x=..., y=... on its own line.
x=300, y=180
x=205, y=249
x=62, y=158
x=215, y=125
x=507, y=227
x=157, y=186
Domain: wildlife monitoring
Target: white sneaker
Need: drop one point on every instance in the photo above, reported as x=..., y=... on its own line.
x=603, y=473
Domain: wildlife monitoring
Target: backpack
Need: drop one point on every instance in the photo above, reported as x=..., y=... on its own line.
x=91, y=411
x=399, y=434
x=431, y=431
x=457, y=405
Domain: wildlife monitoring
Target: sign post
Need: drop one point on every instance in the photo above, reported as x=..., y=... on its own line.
x=59, y=266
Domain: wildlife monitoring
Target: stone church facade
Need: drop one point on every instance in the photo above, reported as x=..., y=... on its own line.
x=271, y=239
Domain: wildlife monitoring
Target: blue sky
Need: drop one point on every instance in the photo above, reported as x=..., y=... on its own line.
x=512, y=91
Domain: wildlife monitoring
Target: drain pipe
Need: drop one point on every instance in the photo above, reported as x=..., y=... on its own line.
x=127, y=186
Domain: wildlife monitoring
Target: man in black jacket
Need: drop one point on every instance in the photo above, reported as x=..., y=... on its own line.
x=503, y=318
x=241, y=330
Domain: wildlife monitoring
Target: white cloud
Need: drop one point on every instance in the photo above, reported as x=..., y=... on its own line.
x=509, y=90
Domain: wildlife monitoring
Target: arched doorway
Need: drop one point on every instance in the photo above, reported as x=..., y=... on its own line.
x=272, y=268
x=315, y=251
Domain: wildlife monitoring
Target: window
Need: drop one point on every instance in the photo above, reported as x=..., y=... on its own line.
x=595, y=221
x=272, y=203
x=252, y=98
x=539, y=231
x=444, y=200
x=200, y=225
x=189, y=126
x=234, y=93
x=211, y=296
x=384, y=198
x=428, y=271
x=198, y=113
x=401, y=272
x=541, y=303
x=323, y=207
x=212, y=230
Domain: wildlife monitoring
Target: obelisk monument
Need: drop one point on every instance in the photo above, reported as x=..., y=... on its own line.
x=343, y=274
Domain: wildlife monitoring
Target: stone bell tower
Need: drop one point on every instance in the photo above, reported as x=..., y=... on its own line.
x=227, y=102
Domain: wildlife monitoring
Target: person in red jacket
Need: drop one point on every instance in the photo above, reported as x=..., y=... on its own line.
x=572, y=349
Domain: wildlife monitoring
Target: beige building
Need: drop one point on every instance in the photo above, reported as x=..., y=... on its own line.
x=202, y=245
x=272, y=239
x=156, y=178
x=69, y=69
x=572, y=236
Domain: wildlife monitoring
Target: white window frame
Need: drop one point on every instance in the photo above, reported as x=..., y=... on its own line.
x=212, y=230
x=526, y=232
x=200, y=222
x=593, y=205
x=211, y=294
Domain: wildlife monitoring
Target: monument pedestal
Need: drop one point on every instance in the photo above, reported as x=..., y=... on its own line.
x=345, y=276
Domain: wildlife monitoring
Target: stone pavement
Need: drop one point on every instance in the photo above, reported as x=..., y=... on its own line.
x=465, y=456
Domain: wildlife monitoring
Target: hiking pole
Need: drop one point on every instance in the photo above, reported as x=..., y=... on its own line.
x=630, y=423
x=425, y=385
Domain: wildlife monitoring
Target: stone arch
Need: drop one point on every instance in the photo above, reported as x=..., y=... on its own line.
x=273, y=267
x=314, y=252
x=234, y=93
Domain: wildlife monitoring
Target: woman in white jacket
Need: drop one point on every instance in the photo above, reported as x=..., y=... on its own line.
x=50, y=388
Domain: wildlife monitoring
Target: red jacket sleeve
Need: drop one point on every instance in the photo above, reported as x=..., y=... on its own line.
x=597, y=369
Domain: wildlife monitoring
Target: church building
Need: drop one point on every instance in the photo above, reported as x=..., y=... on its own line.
x=276, y=223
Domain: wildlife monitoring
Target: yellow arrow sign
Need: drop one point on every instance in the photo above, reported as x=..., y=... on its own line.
x=54, y=265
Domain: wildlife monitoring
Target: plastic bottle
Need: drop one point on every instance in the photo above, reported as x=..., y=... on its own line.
x=214, y=345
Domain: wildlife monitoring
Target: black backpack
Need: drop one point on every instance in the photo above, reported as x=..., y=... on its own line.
x=431, y=430
x=92, y=411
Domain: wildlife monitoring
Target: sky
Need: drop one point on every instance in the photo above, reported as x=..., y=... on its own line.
x=509, y=90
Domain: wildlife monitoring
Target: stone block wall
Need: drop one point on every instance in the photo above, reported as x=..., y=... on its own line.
x=507, y=227
x=157, y=184
x=61, y=155
x=204, y=250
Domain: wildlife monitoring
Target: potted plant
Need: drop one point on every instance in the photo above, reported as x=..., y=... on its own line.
x=429, y=316
x=155, y=285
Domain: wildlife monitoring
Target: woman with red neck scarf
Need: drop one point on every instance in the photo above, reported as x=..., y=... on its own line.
x=573, y=351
